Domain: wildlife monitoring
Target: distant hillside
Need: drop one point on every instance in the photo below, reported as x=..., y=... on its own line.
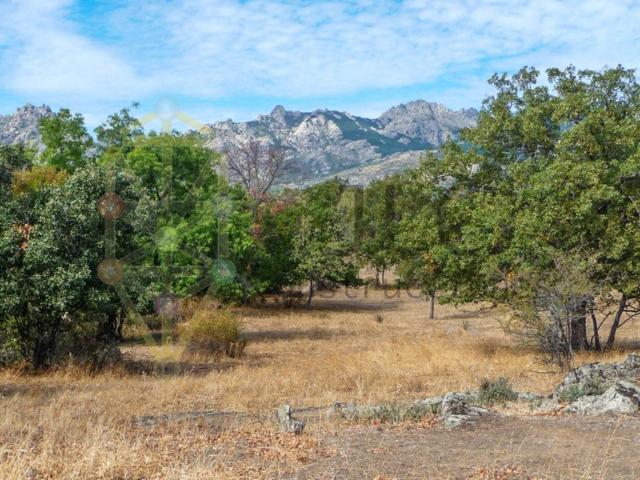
x=327, y=143
x=22, y=126
x=320, y=144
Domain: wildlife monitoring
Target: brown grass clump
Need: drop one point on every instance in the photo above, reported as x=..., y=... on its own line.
x=213, y=332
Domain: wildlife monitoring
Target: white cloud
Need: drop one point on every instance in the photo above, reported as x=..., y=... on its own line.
x=329, y=48
x=309, y=49
x=45, y=55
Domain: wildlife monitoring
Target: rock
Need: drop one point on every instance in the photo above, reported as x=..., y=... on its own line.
x=458, y=409
x=603, y=374
x=287, y=422
x=621, y=397
x=22, y=126
x=529, y=397
x=324, y=143
x=388, y=412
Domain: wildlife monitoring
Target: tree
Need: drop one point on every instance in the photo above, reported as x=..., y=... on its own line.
x=66, y=140
x=119, y=132
x=379, y=226
x=321, y=249
x=53, y=301
x=255, y=165
x=541, y=176
x=426, y=241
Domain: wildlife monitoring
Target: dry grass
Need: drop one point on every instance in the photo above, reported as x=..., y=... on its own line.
x=70, y=425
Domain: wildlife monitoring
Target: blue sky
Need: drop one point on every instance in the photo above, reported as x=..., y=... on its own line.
x=219, y=59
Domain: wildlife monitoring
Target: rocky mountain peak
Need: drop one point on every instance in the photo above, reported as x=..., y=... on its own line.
x=22, y=126
x=325, y=143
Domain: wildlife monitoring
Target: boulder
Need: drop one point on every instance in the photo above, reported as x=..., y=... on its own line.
x=604, y=374
x=388, y=412
x=621, y=397
x=286, y=421
x=458, y=409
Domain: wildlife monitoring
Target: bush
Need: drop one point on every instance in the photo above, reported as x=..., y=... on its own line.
x=591, y=386
x=496, y=391
x=50, y=250
x=213, y=332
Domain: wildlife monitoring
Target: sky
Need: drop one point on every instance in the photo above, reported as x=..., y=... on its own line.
x=219, y=59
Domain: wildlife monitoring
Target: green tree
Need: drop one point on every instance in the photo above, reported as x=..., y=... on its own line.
x=53, y=299
x=379, y=226
x=548, y=171
x=321, y=247
x=66, y=140
x=118, y=133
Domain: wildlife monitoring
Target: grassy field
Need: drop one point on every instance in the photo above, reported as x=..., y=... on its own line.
x=367, y=349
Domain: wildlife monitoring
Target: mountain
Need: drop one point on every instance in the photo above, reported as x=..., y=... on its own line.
x=328, y=143
x=321, y=144
x=22, y=126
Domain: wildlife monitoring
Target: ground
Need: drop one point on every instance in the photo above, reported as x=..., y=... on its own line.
x=365, y=346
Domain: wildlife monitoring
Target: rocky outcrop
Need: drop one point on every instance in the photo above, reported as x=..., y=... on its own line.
x=388, y=412
x=621, y=397
x=458, y=409
x=455, y=409
x=327, y=143
x=22, y=126
x=601, y=375
x=286, y=421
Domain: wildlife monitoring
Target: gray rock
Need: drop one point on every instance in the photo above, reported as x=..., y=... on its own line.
x=458, y=409
x=529, y=397
x=325, y=143
x=286, y=421
x=388, y=412
x=621, y=397
x=604, y=374
x=22, y=126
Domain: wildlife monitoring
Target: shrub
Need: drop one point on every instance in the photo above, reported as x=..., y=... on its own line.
x=391, y=412
x=591, y=386
x=214, y=332
x=495, y=391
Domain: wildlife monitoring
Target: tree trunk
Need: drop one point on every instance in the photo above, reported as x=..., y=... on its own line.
x=596, y=334
x=310, y=296
x=616, y=322
x=579, y=334
x=382, y=279
x=432, y=306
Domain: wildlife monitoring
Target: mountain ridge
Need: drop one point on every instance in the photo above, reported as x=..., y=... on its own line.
x=325, y=143
x=320, y=144
x=22, y=126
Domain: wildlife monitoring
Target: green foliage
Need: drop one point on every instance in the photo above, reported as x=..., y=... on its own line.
x=590, y=386
x=119, y=132
x=496, y=391
x=66, y=139
x=321, y=247
x=550, y=172
x=48, y=268
x=541, y=176
x=379, y=226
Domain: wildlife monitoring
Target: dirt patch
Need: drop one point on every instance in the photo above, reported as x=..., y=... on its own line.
x=505, y=447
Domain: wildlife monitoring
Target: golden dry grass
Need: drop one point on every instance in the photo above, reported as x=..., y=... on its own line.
x=70, y=425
